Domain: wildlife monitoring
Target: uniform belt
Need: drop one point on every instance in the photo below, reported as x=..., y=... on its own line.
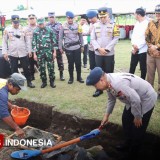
x=71, y=44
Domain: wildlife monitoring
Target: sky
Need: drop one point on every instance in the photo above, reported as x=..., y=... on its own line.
x=42, y=7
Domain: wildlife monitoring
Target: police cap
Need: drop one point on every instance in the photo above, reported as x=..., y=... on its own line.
x=94, y=76
x=69, y=14
x=40, y=20
x=102, y=11
x=91, y=13
x=157, y=9
x=51, y=14
x=15, y=19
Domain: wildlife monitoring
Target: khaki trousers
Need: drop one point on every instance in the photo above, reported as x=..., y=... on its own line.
x=153, y=63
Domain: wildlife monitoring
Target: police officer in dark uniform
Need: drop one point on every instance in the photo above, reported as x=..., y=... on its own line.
x=56, y=26
x=71, y=33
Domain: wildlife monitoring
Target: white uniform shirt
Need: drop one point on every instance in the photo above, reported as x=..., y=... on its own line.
x=138, y=36
x=131, y=90
x=85, y=31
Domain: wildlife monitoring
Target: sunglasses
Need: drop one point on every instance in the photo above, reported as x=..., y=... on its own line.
x=51, y=17
x=31, y=18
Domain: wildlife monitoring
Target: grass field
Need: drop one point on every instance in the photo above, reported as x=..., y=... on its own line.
x=77, y=98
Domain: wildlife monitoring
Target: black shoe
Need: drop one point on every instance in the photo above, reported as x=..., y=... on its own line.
x=97, y=93
x=61, y=76
x=43, y=85
x=85, y=65
x=52, y=85
x=70, y=80
x=123, y=147
x=80, y=80
x=30, y=85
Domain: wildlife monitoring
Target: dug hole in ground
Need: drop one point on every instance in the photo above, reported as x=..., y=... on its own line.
x=69, y=127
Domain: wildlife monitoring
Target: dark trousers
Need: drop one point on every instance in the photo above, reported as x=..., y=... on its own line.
x=142, y=60
x=134, y=136
x=105, y=62
x=59, y=60
x=92, y=61
x=74, y=57
x=24, y=62
x=85, y=53
x=32, y=63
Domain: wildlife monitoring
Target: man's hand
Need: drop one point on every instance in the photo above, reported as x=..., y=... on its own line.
x=14, y=106
x=135, y=49
x=138, y=122
x=6, y=57
x=102, y=51
x=153, y=48
x=82, y=49
x=35, y=57
x=30, y=55
x=20, y=133
x=61, y=50
x=54, y=55
x=105, y=120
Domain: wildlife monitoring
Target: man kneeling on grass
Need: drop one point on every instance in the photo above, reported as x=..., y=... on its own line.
x=14, y=84
x=139, y=98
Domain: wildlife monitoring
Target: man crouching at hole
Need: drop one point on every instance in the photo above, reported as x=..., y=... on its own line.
x=13, y=86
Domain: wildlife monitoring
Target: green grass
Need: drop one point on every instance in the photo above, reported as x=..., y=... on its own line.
x=77, y=98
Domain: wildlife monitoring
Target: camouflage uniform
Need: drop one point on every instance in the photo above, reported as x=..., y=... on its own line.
x=56, y=28
x=43, y=43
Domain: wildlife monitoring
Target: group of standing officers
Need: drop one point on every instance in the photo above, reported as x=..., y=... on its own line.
x=40, y=43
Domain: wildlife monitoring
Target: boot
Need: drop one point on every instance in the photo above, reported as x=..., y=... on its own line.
x=30, y=85
x=52, y=84
x=44, y=84
x=71, y=79
x=79, y=78
x=61, y=76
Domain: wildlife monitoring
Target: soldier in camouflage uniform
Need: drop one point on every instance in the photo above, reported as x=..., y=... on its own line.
x=56, y=26
x=153, y=42
x=71, y=33
x=44, y=48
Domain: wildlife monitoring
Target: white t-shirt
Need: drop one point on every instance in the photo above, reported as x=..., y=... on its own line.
x=85, y=30
x=138, y=35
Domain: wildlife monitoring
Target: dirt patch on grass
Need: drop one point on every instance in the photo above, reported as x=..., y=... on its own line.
x=69, y=127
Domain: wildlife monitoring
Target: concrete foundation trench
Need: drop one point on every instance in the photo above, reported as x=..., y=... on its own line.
x=101, y=147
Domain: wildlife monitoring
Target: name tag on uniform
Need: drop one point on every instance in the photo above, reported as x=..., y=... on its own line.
x=121, y=95
x=66, y=31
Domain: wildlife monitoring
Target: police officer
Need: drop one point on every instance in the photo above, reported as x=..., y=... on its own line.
x=32, y=25
x=16, y=45
x=44, y=48
x=104, y=36
x=56, y=26
x=92, y=17
x=71, y=33
x=139, y=98
x=14, y=84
